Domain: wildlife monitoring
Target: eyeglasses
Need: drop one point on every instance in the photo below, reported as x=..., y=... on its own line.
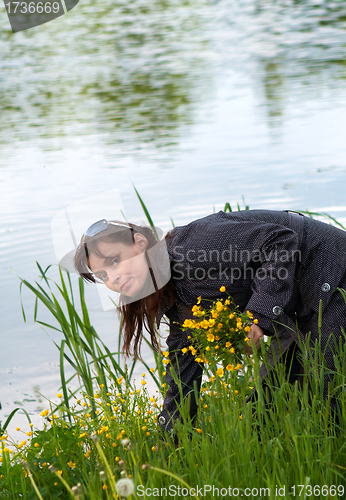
x=102, y=225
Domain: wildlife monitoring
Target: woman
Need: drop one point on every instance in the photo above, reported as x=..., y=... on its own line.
x=281, y=266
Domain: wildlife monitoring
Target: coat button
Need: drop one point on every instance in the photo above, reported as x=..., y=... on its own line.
x=325, y=287
x=277, y=310
x=162, y=420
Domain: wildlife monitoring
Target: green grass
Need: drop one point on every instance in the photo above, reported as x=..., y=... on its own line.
x=107, y=430
x=233, y=444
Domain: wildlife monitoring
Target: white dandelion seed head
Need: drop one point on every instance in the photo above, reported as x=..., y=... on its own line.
x=125, y=487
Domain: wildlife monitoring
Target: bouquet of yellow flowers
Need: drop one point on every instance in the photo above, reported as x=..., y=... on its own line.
x=219, y=334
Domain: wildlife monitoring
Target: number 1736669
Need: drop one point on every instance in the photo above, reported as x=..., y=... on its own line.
x=33, y=7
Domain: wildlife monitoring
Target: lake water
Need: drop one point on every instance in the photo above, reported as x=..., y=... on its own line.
x=196, y=103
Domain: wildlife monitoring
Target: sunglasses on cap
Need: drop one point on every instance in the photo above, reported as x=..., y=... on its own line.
x=102, y=225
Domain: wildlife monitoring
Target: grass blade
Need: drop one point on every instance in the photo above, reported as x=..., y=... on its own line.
x=145, y=210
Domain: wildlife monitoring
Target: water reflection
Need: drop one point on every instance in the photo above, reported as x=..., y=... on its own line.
x=292, y=50
x=134, y=70
x=131, y=69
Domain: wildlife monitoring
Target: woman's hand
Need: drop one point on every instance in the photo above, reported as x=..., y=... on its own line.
x=255, y=335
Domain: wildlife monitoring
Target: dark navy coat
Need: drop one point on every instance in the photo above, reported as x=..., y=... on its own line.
x=280, y=266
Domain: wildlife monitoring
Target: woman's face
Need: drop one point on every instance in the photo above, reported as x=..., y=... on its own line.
x=123, y=268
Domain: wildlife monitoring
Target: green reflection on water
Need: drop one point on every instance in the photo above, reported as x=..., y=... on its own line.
x=136, y=72
x=130, y=69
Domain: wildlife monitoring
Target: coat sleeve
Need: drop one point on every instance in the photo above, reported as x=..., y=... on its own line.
x=275, y=281
x=187, y=371
x=256, y=261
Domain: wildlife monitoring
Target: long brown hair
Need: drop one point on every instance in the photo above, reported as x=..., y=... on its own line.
x=138, y=315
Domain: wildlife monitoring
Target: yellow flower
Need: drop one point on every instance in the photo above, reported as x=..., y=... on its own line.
x=238, y=366
x=228, y=344
x=235, y=392
x=36, y=445
x=219, y=372
x=231, y=316
x=165, y=353
x=17, y=428
x=199, y=300
x=255, y=321
x=207, y=348
x=144, y=428
x=219, y=306
x=223, y=289
x=165, y=361
x=214, y=314
x=143, y=382
x=241, y=417
x=199, y=431
x=247, y=328
x=227, y=302
x=187, y=323
x=184, y=350
x=211, y=322
x=60, y=472
x=230, y=368
x=217, y=347
x=246, y=339
x=59, y=395
x=210, y=337
x=71, y=464
x=29, y=433
x=232, y=350
x=152, y=370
